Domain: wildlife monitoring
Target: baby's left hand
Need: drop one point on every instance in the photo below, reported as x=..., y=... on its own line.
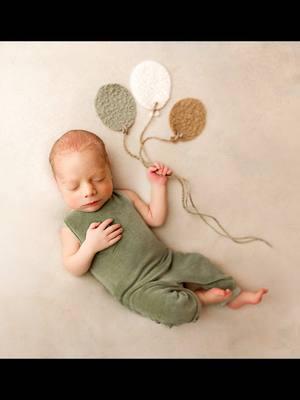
x=158, y=173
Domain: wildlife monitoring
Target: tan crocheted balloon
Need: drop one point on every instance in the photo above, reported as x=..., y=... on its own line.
x=187, y=119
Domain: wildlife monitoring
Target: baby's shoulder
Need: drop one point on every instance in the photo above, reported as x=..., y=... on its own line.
x=64, y=229
x=67, y=235
x=129, y=194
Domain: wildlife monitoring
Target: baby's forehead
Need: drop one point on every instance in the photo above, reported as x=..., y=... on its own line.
x=95, y=170
x=69, y=174
x=80, y=157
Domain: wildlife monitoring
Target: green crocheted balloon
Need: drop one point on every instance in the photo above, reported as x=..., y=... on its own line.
x=116, y=107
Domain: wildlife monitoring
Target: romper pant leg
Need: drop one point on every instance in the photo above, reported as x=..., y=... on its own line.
x=165, y=303
x=200, y=273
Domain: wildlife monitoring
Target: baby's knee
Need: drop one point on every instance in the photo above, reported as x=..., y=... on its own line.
x=166, y=304
x=183, y=307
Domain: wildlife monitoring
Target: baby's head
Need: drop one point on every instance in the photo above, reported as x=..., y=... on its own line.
x=82, y=170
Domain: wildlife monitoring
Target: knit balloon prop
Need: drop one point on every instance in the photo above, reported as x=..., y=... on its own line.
x=116, y=107
x=151, y=85
x=187, y=119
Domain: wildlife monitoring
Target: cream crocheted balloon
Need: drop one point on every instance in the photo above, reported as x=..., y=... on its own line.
x=150, y=83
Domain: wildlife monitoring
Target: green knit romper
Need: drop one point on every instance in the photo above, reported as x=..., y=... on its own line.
x=141, y=272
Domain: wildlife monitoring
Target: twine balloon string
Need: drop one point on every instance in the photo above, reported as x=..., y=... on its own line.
x=186, y=195
x=125, y=132
x=186, y=192
x=187, y=120
x=240, y=240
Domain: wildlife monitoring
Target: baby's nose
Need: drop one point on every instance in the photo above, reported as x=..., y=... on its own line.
x=88, y=190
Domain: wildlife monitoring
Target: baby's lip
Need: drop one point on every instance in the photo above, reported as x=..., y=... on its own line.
x=92, y=203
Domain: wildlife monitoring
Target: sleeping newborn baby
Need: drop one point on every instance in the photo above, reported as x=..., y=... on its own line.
x=108, y=233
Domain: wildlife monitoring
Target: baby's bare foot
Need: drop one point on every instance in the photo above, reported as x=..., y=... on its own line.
x=213, y=296
x=246, y=297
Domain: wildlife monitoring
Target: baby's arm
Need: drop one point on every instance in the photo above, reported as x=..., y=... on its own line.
x=155, y=213
x=158, y=174
x=77, y=258
x=141, y=207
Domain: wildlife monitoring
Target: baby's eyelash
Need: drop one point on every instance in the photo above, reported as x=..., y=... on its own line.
x=95, y=180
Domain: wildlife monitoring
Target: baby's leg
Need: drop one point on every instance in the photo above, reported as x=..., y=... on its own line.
x=213, y=296
x=198, y=274
x=166, y=303
x=247, y=297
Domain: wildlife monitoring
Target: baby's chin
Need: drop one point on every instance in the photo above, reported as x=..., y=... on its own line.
x=94, y=208
x=90, y=209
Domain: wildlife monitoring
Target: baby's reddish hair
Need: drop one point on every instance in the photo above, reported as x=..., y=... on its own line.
x=77, y=140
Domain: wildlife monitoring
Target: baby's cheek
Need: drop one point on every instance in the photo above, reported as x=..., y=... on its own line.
x=76, y=202
x=73, y=201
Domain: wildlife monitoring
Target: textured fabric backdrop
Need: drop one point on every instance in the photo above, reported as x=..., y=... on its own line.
x=244, y=169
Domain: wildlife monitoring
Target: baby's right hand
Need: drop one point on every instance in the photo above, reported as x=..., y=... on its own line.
x=99, y=235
